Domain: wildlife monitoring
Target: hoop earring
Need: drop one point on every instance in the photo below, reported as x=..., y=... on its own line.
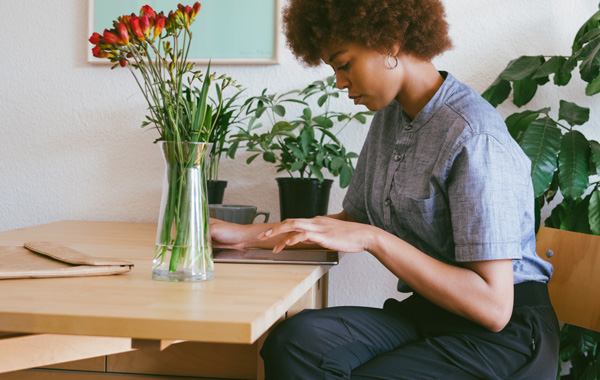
x=392, y=67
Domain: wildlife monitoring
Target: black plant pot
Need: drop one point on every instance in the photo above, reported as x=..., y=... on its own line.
x=215, y=190
x=303, y=198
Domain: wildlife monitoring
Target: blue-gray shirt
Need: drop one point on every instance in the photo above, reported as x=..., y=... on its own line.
x=452, y=183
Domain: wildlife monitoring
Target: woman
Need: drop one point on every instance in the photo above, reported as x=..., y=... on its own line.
x=441, y=196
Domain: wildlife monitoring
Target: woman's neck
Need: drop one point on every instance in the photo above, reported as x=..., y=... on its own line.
x=420, y=82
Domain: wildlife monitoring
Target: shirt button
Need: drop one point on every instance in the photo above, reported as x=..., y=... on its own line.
x=388, y=202
x=408, y=127
x=398, y=157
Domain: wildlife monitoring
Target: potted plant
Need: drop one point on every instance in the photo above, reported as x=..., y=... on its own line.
x=225, y=119
x=305, y=146
x=154, y=47
x=563, y=160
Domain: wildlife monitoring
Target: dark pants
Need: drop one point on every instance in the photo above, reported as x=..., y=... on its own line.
x=415, y=339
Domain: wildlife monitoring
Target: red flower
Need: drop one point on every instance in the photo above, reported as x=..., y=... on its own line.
x=146, y=25
x=123, y=62
x=97, y=52
x=95, y=38
x=195, y=10
x=159, y=25
x=136, y=28
x=148, y=11
x=110, y=38
x=123, y=33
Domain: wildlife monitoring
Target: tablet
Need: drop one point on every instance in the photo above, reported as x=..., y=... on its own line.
x=266, y=256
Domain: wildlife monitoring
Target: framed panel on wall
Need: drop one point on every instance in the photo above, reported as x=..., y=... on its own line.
x=224, y=32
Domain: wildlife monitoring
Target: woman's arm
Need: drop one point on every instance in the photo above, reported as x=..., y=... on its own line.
x=242, y=236
x=480, y=291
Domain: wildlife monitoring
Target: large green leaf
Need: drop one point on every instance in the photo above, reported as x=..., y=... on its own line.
x=573, y=114
x=498, y=92
x=563, y=76
x=523, y=91
x=593, y=87
x=591, y=24
x=594, y=212
x=576, y=216
x=595, y=154
x=590, y=66
x=521, y=68
x=573, y=177
x=551, y=66
x=541, y=143
x=518, y=122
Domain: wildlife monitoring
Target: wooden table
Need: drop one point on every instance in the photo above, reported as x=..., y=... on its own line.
x=133, y=324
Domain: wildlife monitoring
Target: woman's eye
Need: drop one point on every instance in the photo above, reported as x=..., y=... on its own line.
x=343, y=67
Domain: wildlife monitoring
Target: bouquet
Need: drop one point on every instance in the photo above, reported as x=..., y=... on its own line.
x=155, y=48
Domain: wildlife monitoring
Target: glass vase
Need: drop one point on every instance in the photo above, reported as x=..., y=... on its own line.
x=183, y=245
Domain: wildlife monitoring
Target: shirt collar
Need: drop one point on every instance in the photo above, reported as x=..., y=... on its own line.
x=439, y=99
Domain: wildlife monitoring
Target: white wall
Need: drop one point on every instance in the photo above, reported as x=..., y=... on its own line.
x=71, y=146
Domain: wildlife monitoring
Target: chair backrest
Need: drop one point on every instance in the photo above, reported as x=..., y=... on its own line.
x=575, y=286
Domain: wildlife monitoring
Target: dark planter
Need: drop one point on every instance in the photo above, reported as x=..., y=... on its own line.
x=303, y=198
x=215, y=190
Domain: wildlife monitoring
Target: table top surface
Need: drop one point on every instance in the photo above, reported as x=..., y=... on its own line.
x=241, y=303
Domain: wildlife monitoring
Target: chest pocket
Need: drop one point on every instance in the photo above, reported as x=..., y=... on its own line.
x=425, y=223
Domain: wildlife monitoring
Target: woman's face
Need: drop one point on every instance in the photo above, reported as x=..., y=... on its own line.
x=366, y=74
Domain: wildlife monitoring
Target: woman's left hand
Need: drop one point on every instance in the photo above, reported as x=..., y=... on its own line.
x=330, y=233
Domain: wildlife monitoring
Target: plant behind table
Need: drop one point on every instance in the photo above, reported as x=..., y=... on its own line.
x=563, y=159
x=305, y=144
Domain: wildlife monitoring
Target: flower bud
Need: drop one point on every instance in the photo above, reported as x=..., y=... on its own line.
x=145, y=25
x=110, y=38
x=158, y=26
x=123, y=33
x=95, y=38
x=148, y=11
x=136, y=28
x=123, y=62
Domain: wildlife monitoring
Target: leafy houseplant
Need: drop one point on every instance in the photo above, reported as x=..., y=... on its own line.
x=563, y=160
x=224, y=120
x=155, y=48
x=304, y=146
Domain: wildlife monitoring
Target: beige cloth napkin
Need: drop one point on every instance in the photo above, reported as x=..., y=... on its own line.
x=43, y=260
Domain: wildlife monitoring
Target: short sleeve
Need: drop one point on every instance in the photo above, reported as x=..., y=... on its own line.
x=487, y=191
x=354, y=202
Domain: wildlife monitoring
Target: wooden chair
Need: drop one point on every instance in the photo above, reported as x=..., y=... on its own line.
x=575, y=286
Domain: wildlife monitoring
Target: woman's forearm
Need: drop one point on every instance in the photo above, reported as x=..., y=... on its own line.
x=480, y=291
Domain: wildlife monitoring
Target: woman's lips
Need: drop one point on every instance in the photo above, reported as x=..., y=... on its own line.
x=357, y=99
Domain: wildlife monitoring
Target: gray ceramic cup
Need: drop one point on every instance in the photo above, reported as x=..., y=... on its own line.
x=241, y=214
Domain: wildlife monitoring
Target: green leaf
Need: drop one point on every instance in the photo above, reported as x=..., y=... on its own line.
x=572, y=113
x=594, y=212
x=595, y=154
x=593, y=87
x=590, y=66
x=346, y=176
x=576, y=216
x=541, y=143
x=269, y=157
x=573, y=165
x=316, y=172
x=322, y=100
x=521, y=68
x=297, y=165
x=590, y=24
x=551, y=66
x=523, y=91
x=518, y=122
x=498, y=92
x=306, y=138
x=337, y=163
x=251, y=158
x=279, y=110
x=563, y=77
